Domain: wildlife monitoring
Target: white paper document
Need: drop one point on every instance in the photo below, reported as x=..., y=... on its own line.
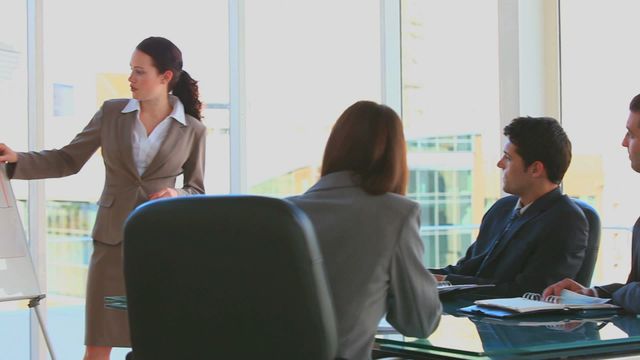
x=570, y=297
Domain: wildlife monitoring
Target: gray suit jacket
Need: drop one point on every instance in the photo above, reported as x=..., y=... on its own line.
x=182, y=152
x=372, y=253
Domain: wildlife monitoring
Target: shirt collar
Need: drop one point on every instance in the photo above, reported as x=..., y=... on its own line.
x=177, y=113
x=521, y=209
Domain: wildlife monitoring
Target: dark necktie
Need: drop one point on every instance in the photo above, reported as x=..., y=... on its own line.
x=515, y=214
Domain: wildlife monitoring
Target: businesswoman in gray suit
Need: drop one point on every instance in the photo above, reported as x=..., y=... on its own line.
x=368, y=231
x=146, y=141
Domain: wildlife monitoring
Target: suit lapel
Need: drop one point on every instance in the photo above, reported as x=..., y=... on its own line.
x=126, y=122
x=175, y=133
x=537, y=208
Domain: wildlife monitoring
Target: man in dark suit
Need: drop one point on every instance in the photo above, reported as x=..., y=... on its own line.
x=537, y=236
x=626, y=295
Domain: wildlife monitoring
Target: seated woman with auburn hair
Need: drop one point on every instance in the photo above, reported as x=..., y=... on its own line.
x=369, y=233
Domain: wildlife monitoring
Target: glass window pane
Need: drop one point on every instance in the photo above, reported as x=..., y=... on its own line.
x=217, y=179
x=13, y=85
x=86, y=62
x=302, y=71
x=594, y=117
x=451, y=113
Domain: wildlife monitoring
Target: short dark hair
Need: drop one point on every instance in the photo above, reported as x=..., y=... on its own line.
x=368, y=139
x=634, y=106
x=541, y=139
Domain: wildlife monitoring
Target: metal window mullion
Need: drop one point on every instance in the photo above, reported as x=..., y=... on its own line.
x=237, y=94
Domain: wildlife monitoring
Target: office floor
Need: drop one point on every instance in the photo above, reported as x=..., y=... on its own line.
x=65, y=325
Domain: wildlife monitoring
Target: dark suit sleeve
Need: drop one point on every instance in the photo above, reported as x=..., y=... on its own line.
x=628, y=296
x=413, y=305
x=63, y=162
x=455, y=273
x=606, y=291
x=194, y=166
x=454, y=270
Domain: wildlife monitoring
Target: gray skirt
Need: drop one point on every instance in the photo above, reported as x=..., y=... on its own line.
x=105, y=327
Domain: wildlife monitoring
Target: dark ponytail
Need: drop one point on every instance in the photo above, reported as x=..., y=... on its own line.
x=167, y=56
x=186, y=89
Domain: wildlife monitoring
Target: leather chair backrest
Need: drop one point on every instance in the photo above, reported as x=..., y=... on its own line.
x=593, y=243
x=226, y=277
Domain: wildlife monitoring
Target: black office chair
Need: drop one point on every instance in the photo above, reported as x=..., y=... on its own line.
x=226, y=277
x=593, y=243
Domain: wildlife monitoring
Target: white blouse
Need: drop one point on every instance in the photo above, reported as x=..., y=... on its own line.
x=146, y=147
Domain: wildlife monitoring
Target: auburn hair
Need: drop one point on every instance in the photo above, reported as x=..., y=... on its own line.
x=368, y=140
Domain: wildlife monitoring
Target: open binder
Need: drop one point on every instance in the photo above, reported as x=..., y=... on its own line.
x=531, y=303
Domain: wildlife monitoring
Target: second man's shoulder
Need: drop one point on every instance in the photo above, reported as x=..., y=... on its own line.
x=569, y=205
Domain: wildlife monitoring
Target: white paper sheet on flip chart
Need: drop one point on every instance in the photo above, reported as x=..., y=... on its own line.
x=12, y=239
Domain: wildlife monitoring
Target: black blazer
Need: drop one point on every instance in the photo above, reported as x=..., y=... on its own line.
x=544, y=245
x=627, y=295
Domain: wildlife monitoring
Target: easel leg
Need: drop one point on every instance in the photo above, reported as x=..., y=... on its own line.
x=33, y=303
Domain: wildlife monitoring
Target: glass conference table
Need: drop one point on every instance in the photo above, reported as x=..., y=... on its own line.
x=459, y=336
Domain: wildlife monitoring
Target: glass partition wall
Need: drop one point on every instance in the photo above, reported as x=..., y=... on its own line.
x=302, y=71
x=599, y=79
x=450, y=103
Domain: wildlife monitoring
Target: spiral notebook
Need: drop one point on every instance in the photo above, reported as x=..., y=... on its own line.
x=534, y=303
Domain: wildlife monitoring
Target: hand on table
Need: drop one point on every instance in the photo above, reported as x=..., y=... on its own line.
x=568, y=284
x=440, y=277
